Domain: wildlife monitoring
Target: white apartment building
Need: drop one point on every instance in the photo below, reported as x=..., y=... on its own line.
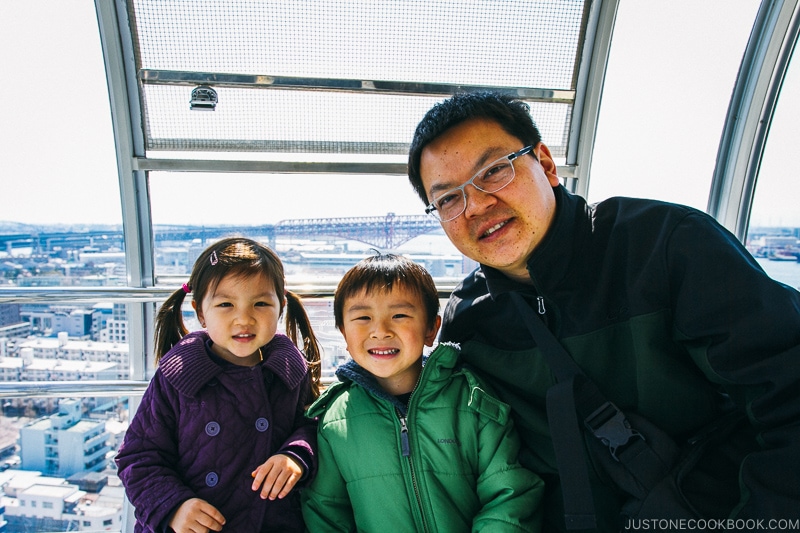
x=42, y=503
x=75, y=321
x=115, y=329
x=64, y=443
x=20, y=330
x=63, y=359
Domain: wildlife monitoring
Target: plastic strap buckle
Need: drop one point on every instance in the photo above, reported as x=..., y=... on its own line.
x=609, y=424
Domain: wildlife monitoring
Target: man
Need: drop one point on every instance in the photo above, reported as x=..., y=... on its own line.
x=662, y=308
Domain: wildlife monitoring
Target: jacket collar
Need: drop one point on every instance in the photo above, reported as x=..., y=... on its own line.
x=188, y=367
x=285, y=360
x=549, y=263
x=353, y=372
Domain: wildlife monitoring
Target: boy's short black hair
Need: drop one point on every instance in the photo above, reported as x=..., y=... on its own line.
x=381, y=273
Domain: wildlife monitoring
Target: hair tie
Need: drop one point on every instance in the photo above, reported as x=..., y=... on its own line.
x=186, y=288
x=213, y=258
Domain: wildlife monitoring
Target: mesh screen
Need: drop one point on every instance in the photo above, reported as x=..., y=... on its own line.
x=497, y=43
x=299, y=121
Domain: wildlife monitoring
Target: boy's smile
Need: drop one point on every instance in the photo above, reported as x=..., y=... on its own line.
x=386, y=332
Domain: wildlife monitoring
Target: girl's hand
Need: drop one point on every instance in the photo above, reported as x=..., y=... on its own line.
x=279, y=475
x=196, y=516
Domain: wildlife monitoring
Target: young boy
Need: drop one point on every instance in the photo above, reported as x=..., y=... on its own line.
x=404, y=447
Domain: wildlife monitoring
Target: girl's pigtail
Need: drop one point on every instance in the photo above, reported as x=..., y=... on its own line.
x=297, y=319
x=169, y=323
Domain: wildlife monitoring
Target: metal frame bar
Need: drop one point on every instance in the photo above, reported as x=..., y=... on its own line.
x=126, y=118
x=280, y=167
x=750, y=113
x=286, y=167
x=591, y=78
x=255, y=81
x=117, y=47
x=277, y=146
x=24, y=295
x=56, y=295
x=95, y=389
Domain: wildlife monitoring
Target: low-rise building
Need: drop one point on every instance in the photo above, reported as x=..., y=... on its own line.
x=34, y=502
x=64, y=444
x=62, y=358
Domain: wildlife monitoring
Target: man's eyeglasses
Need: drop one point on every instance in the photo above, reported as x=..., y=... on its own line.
x=493, y=177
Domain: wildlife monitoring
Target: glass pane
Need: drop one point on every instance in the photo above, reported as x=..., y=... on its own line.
x=61, y=221
x=774, y=232
x=56, y=463
x=320, y=226
x=60, y=226
x=669, y=80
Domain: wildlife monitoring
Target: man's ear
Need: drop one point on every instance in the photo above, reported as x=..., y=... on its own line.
x=542, y=153
x=430, y=336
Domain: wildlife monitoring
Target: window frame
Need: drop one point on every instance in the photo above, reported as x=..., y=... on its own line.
x=750, y=113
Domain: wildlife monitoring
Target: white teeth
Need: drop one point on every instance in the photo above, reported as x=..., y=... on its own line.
x=494, y=228
x=383, y=352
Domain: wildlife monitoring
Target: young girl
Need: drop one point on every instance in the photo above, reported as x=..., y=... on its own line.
x=220, y=439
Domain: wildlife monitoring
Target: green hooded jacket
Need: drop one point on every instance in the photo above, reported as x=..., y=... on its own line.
x=447, y=463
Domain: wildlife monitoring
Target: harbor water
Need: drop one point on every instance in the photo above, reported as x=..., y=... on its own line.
x=787, y=272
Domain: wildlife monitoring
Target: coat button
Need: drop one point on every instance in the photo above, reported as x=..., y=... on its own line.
x=262, y=424
x=212, y=429
x=212, y=479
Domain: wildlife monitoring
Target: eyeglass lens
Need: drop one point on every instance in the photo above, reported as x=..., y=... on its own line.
x=491, y=179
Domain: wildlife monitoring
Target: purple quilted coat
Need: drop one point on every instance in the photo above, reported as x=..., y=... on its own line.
x=202, y=428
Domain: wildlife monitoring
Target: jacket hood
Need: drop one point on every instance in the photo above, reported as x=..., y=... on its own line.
x=437, y=366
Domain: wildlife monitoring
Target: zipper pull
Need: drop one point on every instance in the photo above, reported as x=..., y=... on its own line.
x=540, y=301
x=404, y=437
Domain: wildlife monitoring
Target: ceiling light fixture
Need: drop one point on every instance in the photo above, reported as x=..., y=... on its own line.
x=204, y=98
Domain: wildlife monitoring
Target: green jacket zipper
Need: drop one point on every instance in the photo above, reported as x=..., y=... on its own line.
x=406, y=450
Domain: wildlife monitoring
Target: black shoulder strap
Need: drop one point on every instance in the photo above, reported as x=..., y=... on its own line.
x=561, y=363
x=568, y=444
x=562, y=418
x=634, y=464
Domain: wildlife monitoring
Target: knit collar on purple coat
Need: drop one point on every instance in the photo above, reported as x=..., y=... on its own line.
x=188, y=367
